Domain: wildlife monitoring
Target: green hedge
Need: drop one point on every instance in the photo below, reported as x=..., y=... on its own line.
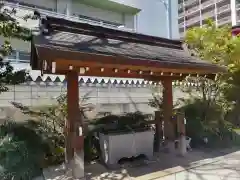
x=25, y=148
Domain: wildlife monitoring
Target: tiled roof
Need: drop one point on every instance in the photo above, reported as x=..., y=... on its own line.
x=65, y=41
x=68, y=38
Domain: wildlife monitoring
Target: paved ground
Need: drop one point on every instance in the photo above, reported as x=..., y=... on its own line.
x=227, y=168
x=197, y=165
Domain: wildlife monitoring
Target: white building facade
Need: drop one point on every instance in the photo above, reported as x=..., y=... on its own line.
x=195, y=12
x=152, y=17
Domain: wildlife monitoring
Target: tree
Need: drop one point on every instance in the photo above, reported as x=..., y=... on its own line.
x=10, y=28
x=55, y=116
x=219, y=96
x=216, y=45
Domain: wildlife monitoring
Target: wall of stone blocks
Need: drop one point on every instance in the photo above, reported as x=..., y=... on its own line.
x=105, y=97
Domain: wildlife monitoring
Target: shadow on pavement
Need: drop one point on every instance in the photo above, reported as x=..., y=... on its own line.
x=163, y=164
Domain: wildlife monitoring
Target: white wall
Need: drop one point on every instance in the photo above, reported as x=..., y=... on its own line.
x=17, y=44
x=174, y=19
x=89, y=11
x=152, y=19
x=62, y=5
x=121, y=18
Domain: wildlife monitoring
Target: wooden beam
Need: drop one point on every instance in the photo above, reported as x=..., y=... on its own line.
x=81, y=59
x=123, y=71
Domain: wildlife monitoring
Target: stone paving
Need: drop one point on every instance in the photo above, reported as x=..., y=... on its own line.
x=197, y=165
x=226, y=167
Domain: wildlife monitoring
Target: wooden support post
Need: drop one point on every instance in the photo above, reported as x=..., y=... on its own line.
x=159, y=130
x=169, y=132
x=181, y=124
x=182, y=134
x=74, y=140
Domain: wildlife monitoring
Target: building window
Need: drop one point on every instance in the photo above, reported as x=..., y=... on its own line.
x=98, y=21
x=24, y=56
x=18, y=56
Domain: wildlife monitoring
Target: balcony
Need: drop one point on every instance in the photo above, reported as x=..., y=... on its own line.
x=181, y=25
x=208, y=14
x=182, y=34
x=181, y=15
x=192, y=10
x=190, y=2
x=224, y=8
x=207, y=4
x=218, y=1
x=224, y=21
x=192, y=21
x=74, y=17
x=181, y=21
x=180, y=7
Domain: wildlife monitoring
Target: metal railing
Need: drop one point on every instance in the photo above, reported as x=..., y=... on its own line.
x=207, y=4
x=204, y=5
x=224, y=20
x=192, y=10
x=12, y=60
x=181, y=25
x=18, y=57
x=218, y=1
x=190, y=2
x=208, y=14
x=76, y=18
x=193, y=21
x=224, y=8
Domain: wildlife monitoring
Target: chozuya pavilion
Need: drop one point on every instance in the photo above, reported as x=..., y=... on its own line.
x=78, y=49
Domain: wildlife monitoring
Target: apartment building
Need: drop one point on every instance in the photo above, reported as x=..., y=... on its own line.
x=152, y=17
x=195, y=12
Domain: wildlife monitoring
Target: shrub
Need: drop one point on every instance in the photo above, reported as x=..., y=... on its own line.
x=125, y=123
x=21, y=152
x=206, y=120
x=26, y=148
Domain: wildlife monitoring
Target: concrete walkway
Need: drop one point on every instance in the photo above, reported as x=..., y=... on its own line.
x=197, y=165
x=228, y=168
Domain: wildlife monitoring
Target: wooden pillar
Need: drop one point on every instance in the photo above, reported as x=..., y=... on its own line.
x=159, y=130
x=181, y=124
x=168, y=110
x=74, y=140
x=182, y=134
